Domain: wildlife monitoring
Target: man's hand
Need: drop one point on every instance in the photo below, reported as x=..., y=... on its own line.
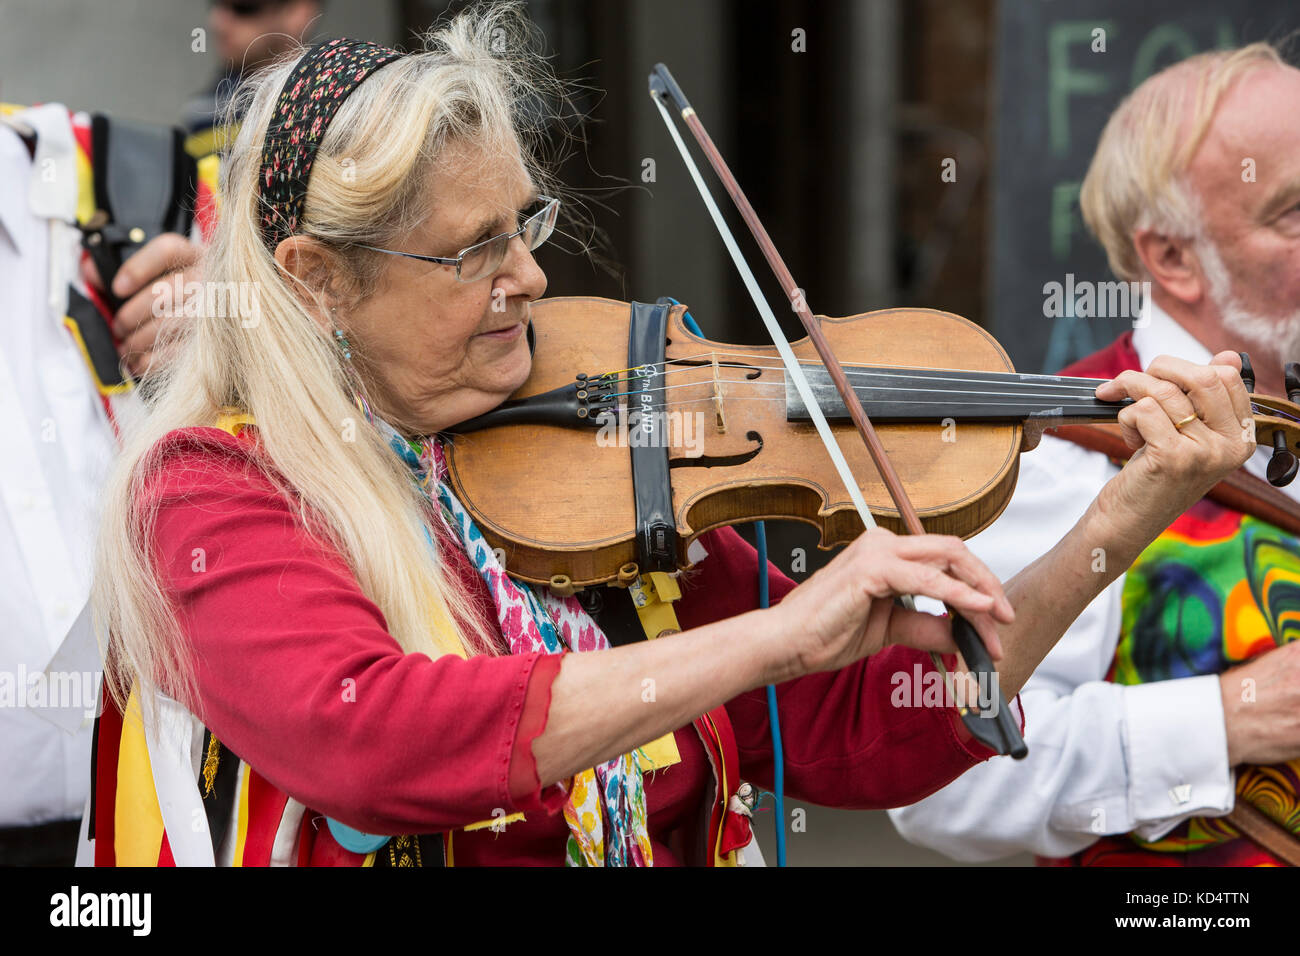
x=1191, y=425
x=136, y=329
x=1261, y=707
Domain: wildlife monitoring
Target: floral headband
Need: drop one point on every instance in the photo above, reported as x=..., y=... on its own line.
x=324, y=77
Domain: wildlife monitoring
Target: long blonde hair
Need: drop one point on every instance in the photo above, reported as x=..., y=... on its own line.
x=478, y=79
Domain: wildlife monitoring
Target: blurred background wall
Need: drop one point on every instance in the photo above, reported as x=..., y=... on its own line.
x=837, y=117
x=133, y=58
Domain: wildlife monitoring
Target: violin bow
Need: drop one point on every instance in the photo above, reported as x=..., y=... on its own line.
x=995, y=727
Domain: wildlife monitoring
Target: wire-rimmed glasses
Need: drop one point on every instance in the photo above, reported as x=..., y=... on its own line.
x=484, y=258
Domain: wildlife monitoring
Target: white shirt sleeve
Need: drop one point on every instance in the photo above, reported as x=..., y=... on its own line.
x=1103, y=758
x=55, y=448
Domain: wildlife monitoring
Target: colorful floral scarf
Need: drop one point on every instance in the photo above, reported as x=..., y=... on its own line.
x=605, y=808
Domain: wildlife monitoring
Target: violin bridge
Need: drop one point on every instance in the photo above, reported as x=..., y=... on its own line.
x=721, y=419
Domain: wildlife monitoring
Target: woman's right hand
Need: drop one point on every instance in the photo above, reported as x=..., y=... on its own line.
x=846, y=610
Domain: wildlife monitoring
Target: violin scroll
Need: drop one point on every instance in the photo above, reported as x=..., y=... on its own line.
x=1277, y=422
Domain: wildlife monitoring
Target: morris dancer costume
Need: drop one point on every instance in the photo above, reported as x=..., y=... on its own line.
x=1215, y=589
x=66, y=189
x=293, y=743
x=279, y=625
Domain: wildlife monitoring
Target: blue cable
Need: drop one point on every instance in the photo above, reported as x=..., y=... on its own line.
x=773, y=714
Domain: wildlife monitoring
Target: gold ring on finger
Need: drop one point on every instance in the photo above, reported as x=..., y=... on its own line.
x=1185, y=421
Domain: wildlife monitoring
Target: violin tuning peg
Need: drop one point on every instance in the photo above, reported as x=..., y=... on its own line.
x=1247, y=372
x=1282, y=467
x=1293, y=381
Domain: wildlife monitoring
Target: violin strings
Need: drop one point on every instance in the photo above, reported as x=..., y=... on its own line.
x=1028, y=390
x=1275, y=412
x=765, y=362
x=1079, y=385
x=708, y=399
x=988, y=392
x=986, y=389
x=982, y=398
x=1016, y=400
x=763, y=398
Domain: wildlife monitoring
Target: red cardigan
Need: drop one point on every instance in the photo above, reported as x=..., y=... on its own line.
x=279, y=627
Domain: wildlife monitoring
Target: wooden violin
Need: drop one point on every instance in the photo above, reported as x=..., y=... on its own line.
x=571, y=510
x=549, y=476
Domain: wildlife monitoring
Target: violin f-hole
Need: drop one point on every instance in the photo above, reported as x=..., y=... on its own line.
x=722, y=461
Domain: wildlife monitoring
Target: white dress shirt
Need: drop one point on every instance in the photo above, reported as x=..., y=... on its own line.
x=55, y=446
x=1103, y=758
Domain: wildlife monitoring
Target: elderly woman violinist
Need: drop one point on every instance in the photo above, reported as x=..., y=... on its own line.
x=311, y=652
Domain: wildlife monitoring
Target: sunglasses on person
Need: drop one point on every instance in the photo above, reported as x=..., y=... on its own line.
x=484, y=258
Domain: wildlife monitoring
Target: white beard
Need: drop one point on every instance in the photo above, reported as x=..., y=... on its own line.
x=1277, y=335
x=1280, y=337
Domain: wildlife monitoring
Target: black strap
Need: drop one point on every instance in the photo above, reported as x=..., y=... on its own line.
x=656, y=531
x=45, y=844
x=613, y=611
x=98, y=340
x=1240, y=491
x=94, y=768
x=219, y=802
x=411, y=851
x=145, y=185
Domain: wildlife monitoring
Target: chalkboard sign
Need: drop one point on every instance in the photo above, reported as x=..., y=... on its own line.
x=1062, y=68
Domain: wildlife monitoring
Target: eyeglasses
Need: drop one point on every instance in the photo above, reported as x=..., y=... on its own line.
x=483, y=259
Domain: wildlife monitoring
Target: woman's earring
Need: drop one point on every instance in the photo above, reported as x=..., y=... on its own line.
x=343, y=343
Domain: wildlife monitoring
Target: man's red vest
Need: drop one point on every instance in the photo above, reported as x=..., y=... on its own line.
x=1211, y=592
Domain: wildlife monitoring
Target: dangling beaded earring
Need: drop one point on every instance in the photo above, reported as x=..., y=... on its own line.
x=342, y=340
x=343, y=343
